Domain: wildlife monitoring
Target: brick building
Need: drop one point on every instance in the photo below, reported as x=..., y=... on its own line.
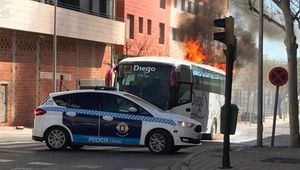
x=86, y=33
x=147, y=29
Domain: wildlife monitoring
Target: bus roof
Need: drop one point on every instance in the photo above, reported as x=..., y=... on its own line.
x=169, y=61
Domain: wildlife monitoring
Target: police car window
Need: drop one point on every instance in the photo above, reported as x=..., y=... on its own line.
x=125, y=104
x=61, y=100
x=109, y=103
x=91, y=101
x=113, y=103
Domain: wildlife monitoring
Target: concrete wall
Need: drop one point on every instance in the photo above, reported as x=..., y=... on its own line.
x=31, y=16
x=25, y=56
x=177, y=17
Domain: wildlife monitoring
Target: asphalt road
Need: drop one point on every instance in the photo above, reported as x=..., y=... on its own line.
x=27, y=156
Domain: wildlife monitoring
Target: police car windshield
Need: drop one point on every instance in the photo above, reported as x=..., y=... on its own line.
x=143, y=103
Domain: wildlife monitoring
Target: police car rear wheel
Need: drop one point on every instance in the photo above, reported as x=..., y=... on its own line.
x=57, y=139
x=160, y=142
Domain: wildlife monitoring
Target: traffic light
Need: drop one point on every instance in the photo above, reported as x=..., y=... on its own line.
x=226, y=37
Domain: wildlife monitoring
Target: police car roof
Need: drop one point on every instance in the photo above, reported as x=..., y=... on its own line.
x=168, y=60
x=87, y=91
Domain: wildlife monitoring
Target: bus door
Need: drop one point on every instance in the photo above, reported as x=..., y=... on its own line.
x=182, y=99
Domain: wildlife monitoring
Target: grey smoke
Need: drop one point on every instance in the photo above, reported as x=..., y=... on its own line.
x=249, y=20
x=201, y=28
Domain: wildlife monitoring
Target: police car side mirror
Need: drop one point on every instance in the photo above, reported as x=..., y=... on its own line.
x=132, y=110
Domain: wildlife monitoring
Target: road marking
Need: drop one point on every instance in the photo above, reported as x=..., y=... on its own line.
x=40, y=148
x=87, y=166
x=20, y=146
x=11, y=151
x=5, y=160
x=41, y=163
x=12, y=142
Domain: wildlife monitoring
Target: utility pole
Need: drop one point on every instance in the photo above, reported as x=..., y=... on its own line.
x=54, y=49
x=259, y=141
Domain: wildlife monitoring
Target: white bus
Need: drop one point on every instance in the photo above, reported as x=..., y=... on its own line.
x=175, y=85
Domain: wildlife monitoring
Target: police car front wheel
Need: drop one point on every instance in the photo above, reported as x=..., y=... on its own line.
x=160, y=142
x=57, y=139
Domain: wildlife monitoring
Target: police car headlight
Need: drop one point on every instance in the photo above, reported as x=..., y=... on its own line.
x=184, y=124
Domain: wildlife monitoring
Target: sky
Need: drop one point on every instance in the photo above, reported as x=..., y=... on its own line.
x=274, y=46
x=274, y=49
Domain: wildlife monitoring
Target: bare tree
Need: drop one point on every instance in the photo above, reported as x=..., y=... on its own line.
x=290, y=11
x=137, y=47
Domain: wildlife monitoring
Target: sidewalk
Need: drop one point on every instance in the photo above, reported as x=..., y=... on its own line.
x=243, y=158
x=244, y=155
x=10, y=134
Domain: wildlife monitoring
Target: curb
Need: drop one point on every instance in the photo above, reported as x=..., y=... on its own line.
x=185, y=163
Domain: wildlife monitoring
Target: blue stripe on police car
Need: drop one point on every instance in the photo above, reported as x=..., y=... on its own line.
x=112, y=114
x=96, y=139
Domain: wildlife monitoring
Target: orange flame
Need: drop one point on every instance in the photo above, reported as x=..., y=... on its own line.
x=195, y=54
x=220, y=66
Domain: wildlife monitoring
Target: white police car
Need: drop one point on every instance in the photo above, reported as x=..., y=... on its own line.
x=107, y=117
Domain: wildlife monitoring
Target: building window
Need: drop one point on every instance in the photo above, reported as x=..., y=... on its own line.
x=196, y=9
x=174, y=34
x=130, y=26
x=141, y=25
x=149, y=26
x=69, y=3
x=180, y=35
x=102, y=7
x=162, y=4
x=189, y=7
x=183, y=5
x=161, y=33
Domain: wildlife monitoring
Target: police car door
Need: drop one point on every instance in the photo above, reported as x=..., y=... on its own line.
x=82, y=116
x=121, y=123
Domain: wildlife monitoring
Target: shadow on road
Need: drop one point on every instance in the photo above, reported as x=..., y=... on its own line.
x=280, y=140
x=125, y=151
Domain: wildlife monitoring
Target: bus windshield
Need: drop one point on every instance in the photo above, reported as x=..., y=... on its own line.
x=144, y=80
x=143, y=103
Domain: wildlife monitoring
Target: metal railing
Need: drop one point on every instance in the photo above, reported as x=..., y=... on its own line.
x=78, y=9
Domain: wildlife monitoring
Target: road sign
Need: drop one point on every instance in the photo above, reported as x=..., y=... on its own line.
x=278, y=76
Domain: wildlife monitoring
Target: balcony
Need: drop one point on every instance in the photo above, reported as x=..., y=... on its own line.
x=34, y=16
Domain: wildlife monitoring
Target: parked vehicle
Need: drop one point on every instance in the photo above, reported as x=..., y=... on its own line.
x=109, y=117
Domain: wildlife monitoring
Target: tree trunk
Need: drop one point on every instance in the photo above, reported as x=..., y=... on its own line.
x=291, y=48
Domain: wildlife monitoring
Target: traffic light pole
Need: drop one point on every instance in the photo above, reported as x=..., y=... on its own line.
x=230, y=55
